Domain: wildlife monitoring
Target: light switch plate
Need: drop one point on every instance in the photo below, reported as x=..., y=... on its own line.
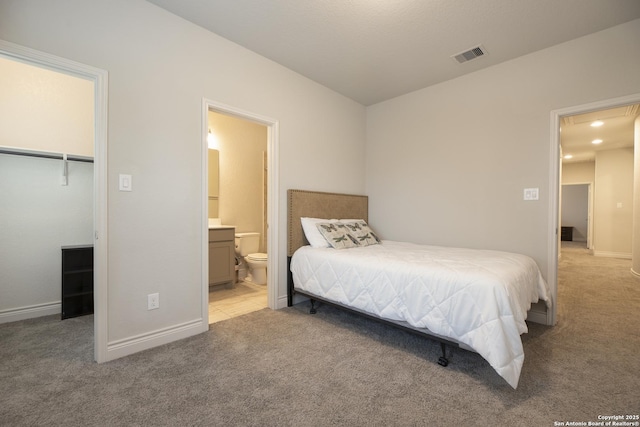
x=125, y=182
x=531, y=194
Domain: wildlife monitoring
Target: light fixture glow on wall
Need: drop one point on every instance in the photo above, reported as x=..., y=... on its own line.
x=596, y=141
x=568, y=156
x=597, y=124
x=212, y=141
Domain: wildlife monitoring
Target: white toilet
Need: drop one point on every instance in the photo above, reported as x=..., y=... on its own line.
x=247, y=245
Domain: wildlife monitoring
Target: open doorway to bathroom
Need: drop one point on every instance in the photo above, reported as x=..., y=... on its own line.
x=237, y=208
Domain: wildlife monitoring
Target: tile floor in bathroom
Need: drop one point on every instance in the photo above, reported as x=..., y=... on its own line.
x=226, y=302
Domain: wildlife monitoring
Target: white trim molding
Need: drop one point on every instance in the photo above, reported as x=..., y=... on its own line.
x=553, y=243
x=137, y=343
x=538, y=317
x=29, y=312
x=607, y=254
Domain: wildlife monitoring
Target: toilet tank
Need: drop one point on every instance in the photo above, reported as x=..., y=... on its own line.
x=247, y=243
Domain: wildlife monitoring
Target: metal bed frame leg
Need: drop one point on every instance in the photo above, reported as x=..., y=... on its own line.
x=443, y=361
x=313, y=307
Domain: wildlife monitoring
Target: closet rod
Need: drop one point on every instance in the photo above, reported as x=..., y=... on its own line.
x=44, y=155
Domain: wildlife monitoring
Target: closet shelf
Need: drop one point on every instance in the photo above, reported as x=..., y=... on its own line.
x=44, y=154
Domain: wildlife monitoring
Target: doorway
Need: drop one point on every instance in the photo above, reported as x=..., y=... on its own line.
x=556, y=167
x=98, y=77
x=269, y=236
x=577, y=206
x=238, y=200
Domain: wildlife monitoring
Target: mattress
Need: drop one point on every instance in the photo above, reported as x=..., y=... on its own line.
x=477, y=297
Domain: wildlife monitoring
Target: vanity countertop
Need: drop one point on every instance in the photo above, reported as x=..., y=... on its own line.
x=215, y=224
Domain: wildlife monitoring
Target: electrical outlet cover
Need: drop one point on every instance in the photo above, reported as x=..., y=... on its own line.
x=153, y=301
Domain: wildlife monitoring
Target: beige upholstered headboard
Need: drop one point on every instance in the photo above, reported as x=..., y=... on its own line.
x=316, y=204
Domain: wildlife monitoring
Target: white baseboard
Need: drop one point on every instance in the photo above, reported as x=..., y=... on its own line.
x=30, y=312
x=537, y=317
x=135, y=344
x=282, y=302
x=605, y=254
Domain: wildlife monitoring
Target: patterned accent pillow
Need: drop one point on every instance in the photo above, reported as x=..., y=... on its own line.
x=362, y=232
x=337, y=235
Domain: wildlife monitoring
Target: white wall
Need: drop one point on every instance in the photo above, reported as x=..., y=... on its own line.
x=448, y=164
x=160, y=68
x=613, y=205
x=37, y=217
x=578, y=173
x=44, y=110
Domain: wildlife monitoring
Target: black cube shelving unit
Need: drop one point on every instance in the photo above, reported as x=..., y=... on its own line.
x=77, y=281
x=566, y=234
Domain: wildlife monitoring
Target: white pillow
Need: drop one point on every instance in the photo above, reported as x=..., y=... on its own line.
x=311, y=232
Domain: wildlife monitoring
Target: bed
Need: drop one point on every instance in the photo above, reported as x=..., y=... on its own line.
x=476, y=300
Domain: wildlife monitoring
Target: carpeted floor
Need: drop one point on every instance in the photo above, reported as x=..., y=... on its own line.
x=289, y=368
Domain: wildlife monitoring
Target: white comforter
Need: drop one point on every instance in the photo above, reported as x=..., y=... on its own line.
x=477, y=297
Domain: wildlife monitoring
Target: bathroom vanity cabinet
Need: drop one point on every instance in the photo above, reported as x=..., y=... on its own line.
x=77, y=281
x=222, y=260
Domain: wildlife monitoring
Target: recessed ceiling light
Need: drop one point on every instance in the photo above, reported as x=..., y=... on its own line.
x=568, y=156
x=596, y=141
x=597, y=124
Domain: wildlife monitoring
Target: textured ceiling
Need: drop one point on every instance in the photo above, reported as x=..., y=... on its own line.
x=374, y=50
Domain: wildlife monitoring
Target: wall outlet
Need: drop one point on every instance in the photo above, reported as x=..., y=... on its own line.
x=153, y=301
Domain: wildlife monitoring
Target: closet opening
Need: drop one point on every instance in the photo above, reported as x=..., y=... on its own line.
x=53, y=171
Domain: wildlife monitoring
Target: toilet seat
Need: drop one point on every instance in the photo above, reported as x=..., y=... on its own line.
x=257, y=257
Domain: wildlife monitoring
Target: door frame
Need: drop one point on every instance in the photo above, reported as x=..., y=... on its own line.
x=100, y=83
x=273, y=199
x=555, y=186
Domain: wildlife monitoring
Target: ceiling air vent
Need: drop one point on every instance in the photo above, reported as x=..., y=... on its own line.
x=470, y=54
